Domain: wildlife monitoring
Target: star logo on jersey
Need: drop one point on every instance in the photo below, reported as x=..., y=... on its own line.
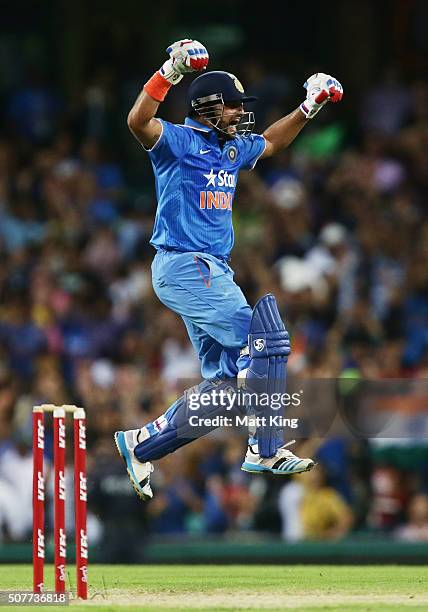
x=222, y=178
x=211, y=177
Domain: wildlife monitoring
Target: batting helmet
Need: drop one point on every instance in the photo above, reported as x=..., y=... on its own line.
x=209, y=93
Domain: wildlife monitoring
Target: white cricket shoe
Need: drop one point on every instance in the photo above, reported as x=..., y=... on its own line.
x=139, y=473
x=283, y=462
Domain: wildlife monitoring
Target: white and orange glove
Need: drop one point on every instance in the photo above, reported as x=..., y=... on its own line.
x=184, y=56
x=321, y=88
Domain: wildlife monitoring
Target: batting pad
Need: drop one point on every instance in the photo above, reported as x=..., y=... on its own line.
x=269, y=346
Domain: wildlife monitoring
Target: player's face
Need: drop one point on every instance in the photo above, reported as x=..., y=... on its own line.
x=232, y=113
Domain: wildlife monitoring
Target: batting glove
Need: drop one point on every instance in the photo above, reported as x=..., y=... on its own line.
x=321, y=88
x=185, y=56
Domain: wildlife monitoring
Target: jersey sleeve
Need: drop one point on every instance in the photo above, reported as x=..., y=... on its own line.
x=174, y=142
x=252, y=148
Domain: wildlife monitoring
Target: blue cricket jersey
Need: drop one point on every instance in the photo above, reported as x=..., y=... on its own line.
x=195, y=184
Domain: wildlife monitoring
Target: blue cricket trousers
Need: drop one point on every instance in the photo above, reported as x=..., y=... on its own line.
x=200, y=288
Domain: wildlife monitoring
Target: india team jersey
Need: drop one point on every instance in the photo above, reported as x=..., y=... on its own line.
x=195, y=185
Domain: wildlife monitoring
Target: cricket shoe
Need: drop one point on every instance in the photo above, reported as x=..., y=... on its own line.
x=283, y=462
x=139, y=473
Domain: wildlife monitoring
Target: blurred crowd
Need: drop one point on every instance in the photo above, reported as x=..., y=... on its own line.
x=335, y=226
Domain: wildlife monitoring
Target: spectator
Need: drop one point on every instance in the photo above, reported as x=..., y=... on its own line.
x=312, y=510
x=416, y=527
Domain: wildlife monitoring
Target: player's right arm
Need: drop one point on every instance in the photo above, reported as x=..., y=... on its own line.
x=184, y=56
x=141, y=121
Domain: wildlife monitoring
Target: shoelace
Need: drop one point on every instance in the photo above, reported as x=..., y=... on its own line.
x=286, y=452
x=280, y=448
x=288, y=444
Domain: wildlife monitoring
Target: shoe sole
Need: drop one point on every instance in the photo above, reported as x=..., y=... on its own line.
x=121, y=451
x=255, y=469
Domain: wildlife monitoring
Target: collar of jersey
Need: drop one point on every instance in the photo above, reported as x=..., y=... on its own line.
x=197, y=126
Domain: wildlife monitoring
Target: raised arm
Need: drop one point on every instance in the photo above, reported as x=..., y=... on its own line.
x=321, y=88
x=184, y=56
x=141, y=120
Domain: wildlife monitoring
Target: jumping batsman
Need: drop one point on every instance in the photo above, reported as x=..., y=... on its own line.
x=196, y=167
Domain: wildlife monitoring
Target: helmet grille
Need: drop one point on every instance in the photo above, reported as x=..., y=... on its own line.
x=211, y=109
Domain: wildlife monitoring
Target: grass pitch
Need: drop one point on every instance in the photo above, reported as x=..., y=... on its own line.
x=238, y=587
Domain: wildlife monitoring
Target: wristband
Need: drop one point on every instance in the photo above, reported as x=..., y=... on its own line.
x=157, y=87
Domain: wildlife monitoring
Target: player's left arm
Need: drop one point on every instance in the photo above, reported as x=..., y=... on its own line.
x=321, y=88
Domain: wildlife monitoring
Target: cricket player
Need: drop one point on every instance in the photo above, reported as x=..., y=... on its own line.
x=196, y=167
